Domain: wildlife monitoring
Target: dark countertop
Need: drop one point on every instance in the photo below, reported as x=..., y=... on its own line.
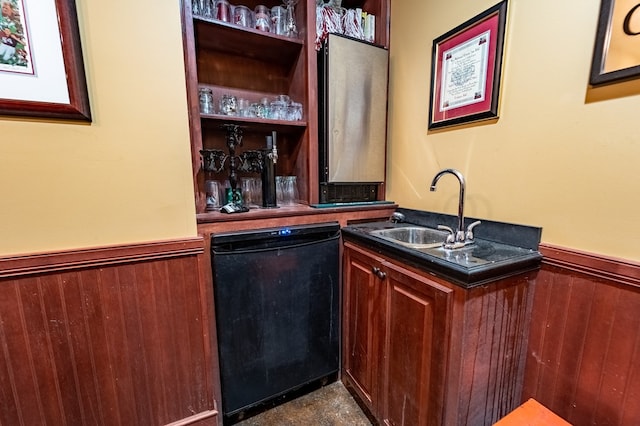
x=500, y=249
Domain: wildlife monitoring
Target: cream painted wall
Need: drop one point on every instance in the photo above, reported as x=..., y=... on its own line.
x=561, y=156
x=124, y=178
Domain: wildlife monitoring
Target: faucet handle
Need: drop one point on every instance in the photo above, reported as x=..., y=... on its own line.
x=397, y=217
x=469, y=236
x=451, y=238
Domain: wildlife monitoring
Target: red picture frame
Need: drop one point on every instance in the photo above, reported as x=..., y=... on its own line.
x=466, y=67
x=56, y=87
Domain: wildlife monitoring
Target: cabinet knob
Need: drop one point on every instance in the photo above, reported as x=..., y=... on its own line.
x=380, y=274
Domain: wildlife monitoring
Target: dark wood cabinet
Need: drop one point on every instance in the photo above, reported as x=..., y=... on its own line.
x=420, y=350
x=395, y=336
x=417, y=322
x=363, y=325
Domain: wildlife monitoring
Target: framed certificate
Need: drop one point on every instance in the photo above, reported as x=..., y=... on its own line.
x=465, y=70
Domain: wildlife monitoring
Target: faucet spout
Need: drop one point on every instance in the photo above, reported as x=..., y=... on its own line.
x=460, y=235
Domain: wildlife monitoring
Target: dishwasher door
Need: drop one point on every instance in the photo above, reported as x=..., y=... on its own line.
x=277, y=312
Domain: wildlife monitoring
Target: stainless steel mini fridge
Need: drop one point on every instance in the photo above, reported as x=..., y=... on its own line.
x=352, y=83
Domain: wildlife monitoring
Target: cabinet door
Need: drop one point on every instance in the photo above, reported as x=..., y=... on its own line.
x=417, y=328
x=362, y=324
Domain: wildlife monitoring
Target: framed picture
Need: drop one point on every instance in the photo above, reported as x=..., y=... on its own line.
x=41, y=65
x=616, y=54
x=466, y=66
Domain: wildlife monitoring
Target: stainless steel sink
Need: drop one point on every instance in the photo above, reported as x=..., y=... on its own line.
x=413, y=236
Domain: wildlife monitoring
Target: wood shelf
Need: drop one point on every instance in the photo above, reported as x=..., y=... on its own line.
x=256, y=124
x=227, y=38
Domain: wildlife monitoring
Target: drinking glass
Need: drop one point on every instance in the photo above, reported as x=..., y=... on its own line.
x=223, y=10
x=196, y=7
x=208, y=9
x=246, y=185
x=256, y=191
x=290, y=190
x=280, y=190
x=228, y=105
x=213, y=194
x=263, y=18
x=243, y=16
x=278, y=110
x=279, y=20
x=244, y=108
x=206, y=100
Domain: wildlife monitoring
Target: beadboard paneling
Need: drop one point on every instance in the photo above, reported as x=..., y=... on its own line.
x=113, y=336
x=583, y=358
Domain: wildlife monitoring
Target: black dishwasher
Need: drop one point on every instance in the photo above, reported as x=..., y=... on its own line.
x=277, y=312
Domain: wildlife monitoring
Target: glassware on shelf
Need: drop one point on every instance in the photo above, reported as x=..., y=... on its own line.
x=279, y=110
x=256, y=191
x=244, y=108
x=264, y=108
x=208, y=8
x=279, y=20
x=206, y=100
x=263, y=18
x=290, y=190
x=196, y=7
x=243, y=16
x=213, y=192
x=291, y=28
x=223, y=10
x=287, y=190
x=251, y=191
x=294, y=111
x=228, y=105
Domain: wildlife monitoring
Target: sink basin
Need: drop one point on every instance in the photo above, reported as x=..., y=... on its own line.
x=413, y=236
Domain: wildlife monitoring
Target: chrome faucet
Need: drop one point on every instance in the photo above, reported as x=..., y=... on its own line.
x=458, y=238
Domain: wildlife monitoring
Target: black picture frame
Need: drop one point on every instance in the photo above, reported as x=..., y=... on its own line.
x=77, y=108
x=607, y=34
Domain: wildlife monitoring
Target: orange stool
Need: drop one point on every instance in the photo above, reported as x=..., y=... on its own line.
x=532, y=413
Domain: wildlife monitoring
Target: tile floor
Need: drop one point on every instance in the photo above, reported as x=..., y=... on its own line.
x=331, y=405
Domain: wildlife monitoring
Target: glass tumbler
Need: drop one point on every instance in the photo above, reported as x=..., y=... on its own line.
x=229, y=105
x=247, y=193
x=278, y=110
x=206, y=100
x=263, y=18
x=279, y=20
x=256, y=191
x=242, y=16
x=290, y=190
x=294, y=111
x=196, y=7
x=223, y=11
x=244, y=108
x=208, y=8
x=280, y=190
x=213, y=193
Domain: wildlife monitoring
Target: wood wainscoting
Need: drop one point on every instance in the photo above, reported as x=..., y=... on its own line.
x=108, y=336
x=583, y=358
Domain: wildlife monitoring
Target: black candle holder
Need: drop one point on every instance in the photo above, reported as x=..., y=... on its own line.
x=215, y=160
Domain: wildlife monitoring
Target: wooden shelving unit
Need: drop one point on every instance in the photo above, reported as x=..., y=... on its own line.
x=251, y=64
